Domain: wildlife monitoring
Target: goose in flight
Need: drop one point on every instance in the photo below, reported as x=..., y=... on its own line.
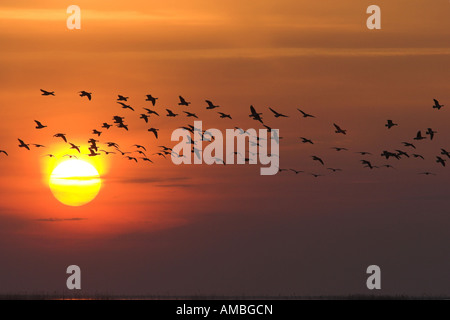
x=339, y=130
x=3, y=151
x=367, y=164
x=419, y=136
x=210, y=105
x=75, y=147
x=38, y=145
x=160, y=154
x=107, y=152
x=170, y=113
x=277, y=114
x=339, y=149
x=49, y=155
x=112, y=144
x=106, y=126
x=139, y=147
x=165, y=148
x=122, y=98
x=305, y=140
x=23, y=145
x=440, y=160
x=92, y=153
x=86, y=94
x=418, y=156
x=118, y=119
x=122, y=125
x=150, y=111
x=315, y=175
x=445, y=153
x=387, y=166
x=316, y=158
x=155, y=132
x=70, y=156
x=407, y=144
x=183, y=102
x=364, y=153
x=402, y=153
x=147, y=159
x=144, y=116
x=224, y=115
x=62, y=136
x=98, y=133
x=388, y=155
x=390, y=124
x=334, y=170
x=296, y=171
x=47, y=93
x=305, y=115
x=39, y=125
x=437, y=105
x=151, y=99
x=255, y=115
x=431, y=133
x=125, y=106
x=189, y=114
x=427, y=173
x=132, y=158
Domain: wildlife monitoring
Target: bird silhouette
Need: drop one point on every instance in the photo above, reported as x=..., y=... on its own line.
x=305, y=115
x=39, y=125
x=98, y=133
x=125, y=106
x=73, y=146
x=47, y=93
x=418, y=156
x=255, y=115
x=93, y=153
x=189, y=114
x=122, y=98
x=339, y=149
x=144, y=116
x=3, y=151
x=427, y=173
x=339, y=130
x=364, y=153
x=211, y=105
x=367, y=164
x=431, y=133
x=38, y=145
x=132, y=158
x=147, y=159
x=23, y=145
x=62, y=136
x=69, y=156
x=440, y=160
x=139, y=147
x=277, y=114
x=437, y=105
x=224, y=115
x=334, y=169
x=183, y=102
x=390, y=124
x=151, y=99
x=419, y=136
x=170, y=113
x=445, y=153
x=316, y=158
x=86, y=94
x=305, y=140
x=407, y=144
x=50, y=155
x=112, y=144
x=106, y=126
x=155, y=132
x=150, y=111
x=107, y=152
x=296, y=171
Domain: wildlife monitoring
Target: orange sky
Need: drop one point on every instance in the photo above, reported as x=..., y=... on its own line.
x=314, y=55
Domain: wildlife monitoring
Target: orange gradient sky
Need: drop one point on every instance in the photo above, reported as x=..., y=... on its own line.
x=226, y=229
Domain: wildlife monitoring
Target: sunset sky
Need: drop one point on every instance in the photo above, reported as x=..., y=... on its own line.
x=166, y=229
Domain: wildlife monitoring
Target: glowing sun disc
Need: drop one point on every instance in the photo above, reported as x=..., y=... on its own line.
x=75, y=182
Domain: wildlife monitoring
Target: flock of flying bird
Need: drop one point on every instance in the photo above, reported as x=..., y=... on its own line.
x=119, y=121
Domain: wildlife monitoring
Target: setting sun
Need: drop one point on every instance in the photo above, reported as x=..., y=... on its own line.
x=75, y=182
